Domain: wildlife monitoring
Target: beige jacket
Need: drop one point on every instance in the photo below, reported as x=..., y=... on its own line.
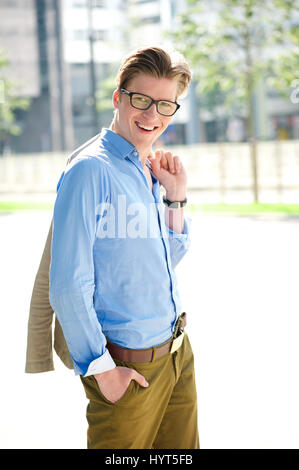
x=39, y=356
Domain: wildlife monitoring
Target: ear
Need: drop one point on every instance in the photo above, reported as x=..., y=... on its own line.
x=115, y=99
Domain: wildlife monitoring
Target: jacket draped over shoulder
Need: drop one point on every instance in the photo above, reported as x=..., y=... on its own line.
x=39, y=356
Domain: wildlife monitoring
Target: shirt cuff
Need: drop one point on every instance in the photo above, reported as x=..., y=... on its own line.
x=101, y=364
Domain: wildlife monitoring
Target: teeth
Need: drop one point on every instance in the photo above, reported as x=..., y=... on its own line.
x=145, y=127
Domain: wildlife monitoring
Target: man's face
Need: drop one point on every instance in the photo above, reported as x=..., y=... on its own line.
x=129, y=121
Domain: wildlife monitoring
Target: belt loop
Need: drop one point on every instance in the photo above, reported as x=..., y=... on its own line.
x=154, y=354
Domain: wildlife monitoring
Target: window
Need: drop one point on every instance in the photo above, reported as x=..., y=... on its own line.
x=79, y=3
x=145, y=1
x=82, y=35
x=151, y=20
x=98, y=3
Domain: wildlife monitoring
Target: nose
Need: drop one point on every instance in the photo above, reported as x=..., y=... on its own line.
x=151, y=112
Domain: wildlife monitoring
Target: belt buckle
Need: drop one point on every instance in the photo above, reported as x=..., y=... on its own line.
x=177, y=342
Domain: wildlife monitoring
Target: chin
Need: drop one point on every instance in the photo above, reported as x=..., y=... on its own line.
x=147, y=140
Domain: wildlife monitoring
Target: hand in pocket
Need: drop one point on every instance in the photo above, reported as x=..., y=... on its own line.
x=113, y=383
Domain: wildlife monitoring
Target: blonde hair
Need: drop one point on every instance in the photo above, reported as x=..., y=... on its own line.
x=156, y=62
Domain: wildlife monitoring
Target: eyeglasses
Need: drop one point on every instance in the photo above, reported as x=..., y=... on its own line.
x=140, y=101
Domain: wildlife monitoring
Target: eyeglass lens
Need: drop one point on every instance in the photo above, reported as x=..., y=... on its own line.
x=143, y=102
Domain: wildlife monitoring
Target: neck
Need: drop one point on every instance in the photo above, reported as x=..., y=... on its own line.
x=143, y=153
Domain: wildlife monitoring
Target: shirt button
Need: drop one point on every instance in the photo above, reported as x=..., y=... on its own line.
x=135, y=153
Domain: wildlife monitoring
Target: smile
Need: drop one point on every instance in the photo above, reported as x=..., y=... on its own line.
x=146, y=128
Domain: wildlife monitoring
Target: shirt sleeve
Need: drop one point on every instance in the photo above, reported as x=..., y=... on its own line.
x=179, y=243
x=82, y=187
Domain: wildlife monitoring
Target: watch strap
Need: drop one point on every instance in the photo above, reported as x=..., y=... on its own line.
x=174, y=204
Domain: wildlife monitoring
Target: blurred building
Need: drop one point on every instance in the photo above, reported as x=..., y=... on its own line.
x=62, y=51
x=71, y=47
x=98, y=34
x=95, y=40
x=277, y=118
x=31, y=36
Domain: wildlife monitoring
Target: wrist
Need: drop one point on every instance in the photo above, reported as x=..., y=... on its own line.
x=178, y=195
x=104, y=374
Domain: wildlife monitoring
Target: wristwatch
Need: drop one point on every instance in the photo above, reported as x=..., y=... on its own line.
x=174, y=204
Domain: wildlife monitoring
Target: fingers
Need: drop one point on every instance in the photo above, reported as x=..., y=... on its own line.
x=174, y=163
x=139, y=378
x=177, y=164
x=162, y=160
x=168, y=161
x=155, y=160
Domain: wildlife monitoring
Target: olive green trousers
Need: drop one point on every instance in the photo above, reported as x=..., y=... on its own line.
x=161, y=416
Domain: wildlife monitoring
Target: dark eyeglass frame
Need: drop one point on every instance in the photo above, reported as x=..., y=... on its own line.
x=156, y=102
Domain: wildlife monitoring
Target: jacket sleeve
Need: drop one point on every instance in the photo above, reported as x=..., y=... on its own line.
x=81, y=189
x=39, y=356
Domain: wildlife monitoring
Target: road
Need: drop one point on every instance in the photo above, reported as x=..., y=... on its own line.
x=238, y=284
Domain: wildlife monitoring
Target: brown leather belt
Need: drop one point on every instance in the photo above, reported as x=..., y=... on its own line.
x=150, y=354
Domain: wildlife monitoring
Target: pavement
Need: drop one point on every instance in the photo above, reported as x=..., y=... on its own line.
x=239, y=285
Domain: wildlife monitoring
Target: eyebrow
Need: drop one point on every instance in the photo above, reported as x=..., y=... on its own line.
x=148, y=96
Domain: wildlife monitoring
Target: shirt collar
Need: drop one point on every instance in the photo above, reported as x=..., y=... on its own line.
x=120, y=145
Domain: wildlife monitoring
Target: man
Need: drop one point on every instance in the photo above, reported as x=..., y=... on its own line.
x=112, y=281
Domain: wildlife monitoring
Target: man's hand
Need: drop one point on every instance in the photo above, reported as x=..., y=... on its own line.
x=171, y=174
x=114, y=383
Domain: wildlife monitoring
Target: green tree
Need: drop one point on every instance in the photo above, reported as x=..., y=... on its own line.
x=9, y=103
x=104, y=94
x=234, y=44
x=105, y=89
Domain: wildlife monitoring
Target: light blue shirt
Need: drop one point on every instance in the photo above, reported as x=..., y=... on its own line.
x=112, y=256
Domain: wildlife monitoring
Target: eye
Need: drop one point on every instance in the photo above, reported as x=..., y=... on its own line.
x=166, y=105
x=141, y=99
